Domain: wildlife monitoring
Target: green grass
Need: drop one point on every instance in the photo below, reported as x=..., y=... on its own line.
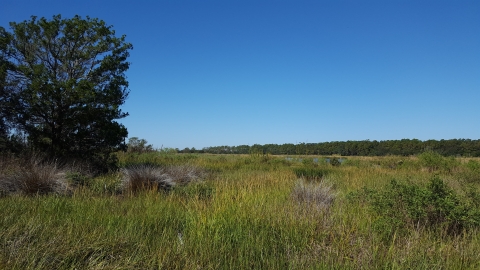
x=248, y=212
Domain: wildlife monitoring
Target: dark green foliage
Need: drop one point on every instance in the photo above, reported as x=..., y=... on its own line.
x=403, y=206
x=404, y=147
x=6, y=114
x=63, y=80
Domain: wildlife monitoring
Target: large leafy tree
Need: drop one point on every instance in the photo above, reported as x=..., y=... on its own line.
x=64, y=80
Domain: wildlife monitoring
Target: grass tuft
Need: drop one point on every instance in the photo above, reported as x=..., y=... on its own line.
x=34, y=176
x=152, y=177
x=319, y=195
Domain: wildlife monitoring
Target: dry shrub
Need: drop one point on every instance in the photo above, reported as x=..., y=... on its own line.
x=33, y=176
x=152, y=177
x=319, y=195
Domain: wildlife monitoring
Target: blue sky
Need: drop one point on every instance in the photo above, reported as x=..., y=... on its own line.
x=211, y=73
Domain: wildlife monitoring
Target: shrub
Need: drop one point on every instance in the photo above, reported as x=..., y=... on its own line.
x=434, y=161
x=137, y=145
x=436, y=206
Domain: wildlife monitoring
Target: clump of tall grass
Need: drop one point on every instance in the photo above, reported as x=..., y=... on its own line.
x=152, y=177
x=320, y=195
x=34, y=176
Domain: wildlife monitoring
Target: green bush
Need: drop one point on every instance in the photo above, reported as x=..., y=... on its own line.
x=404, y=205
x=434, y=161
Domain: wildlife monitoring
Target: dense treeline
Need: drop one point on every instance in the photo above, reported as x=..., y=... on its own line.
x=405, y=147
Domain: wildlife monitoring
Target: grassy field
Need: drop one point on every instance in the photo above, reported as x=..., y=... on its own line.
x=251, y=212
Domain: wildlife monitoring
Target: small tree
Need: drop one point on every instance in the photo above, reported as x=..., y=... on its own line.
x=138, y=145
x=64, y=81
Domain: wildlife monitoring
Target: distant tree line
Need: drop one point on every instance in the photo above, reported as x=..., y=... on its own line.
x=404, y=147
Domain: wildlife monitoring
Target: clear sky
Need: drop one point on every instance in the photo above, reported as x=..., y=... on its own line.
x=231, y=72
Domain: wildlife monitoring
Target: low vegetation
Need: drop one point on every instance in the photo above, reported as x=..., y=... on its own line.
x=163, y=210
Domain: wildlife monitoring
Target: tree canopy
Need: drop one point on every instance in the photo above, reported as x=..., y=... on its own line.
x=62, y=82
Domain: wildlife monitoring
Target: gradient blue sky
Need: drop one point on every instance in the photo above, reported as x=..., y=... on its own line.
x=211, y=73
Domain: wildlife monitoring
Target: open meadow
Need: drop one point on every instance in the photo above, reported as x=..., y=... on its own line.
x=201, y=211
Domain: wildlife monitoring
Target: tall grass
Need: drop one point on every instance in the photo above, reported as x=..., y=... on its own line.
x=32, y=176
x=246, y=213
